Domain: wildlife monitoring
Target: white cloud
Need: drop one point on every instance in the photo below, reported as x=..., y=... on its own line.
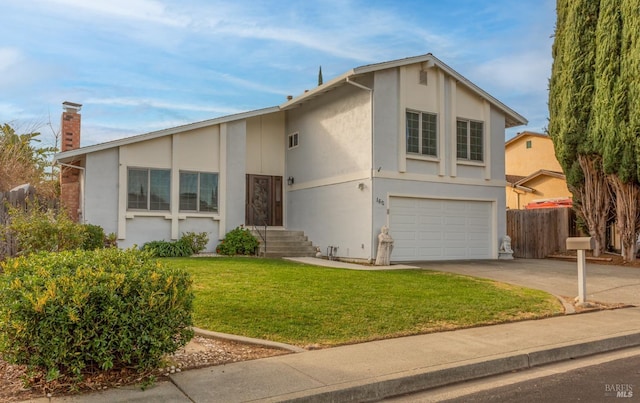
x=9, y=57
x=241, y=82
x=144, y=10
x=519, y=72
x=350, y=32
x=152, y=103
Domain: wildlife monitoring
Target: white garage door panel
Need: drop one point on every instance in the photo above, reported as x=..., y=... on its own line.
x=438, y=229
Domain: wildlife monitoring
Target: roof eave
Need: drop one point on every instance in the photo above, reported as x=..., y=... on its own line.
x=513, y=118
x=317, y=91
x=73, y=154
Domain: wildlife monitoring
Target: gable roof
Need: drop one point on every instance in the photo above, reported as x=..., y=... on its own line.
x=512, y=118
x=67, y=155
x=541, y=172
x=513, y=179
x=518, y=137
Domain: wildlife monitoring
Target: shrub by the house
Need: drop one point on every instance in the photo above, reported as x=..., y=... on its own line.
x=75, y=312
x=189, y=244
x=94, y=237
x=38, y=229
x=238, y=241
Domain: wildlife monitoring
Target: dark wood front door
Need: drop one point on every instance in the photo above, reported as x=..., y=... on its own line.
x=264, y=200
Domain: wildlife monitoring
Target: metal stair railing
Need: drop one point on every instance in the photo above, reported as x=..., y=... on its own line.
x=255, y=227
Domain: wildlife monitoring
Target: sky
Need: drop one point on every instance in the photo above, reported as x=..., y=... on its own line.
x=138, y=66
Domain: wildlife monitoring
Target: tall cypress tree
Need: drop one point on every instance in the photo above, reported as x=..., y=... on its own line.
x=607, y=88
x=571, y=91
x=621, y=144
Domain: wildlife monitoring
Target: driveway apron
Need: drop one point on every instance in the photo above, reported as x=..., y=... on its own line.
x=605, y=283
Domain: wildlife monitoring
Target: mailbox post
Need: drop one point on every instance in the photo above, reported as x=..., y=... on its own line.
x=581, y=244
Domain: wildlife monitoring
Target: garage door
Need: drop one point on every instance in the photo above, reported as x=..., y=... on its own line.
x=440, y=229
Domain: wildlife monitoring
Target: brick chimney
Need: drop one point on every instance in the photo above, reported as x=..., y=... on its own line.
x=70, y=126
x=69, y=176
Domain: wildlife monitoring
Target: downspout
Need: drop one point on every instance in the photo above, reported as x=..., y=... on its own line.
x=82, y=171
x=371, y=238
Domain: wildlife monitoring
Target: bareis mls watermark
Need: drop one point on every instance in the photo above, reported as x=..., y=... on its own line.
x=618, y=390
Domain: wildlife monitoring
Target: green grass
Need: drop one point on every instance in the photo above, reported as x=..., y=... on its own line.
x=302, y=304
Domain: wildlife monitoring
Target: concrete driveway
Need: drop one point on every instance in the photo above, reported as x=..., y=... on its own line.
x=605, y=283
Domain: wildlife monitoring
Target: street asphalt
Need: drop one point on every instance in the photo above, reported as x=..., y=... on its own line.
x=385, y=368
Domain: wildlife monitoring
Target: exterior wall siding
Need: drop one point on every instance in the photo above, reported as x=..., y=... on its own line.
x=101, y=189
x=524, y=161
x=266, y=144
x=219, y=149
x=334, y=215
x=234, y=177
x=444, y=176
x=334, y=135
x=333, y=157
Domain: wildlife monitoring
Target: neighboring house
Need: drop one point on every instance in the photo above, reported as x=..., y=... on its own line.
x=534, y=175
x=408, y=143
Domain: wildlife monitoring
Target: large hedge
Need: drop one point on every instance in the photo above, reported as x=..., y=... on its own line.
x=77, y=311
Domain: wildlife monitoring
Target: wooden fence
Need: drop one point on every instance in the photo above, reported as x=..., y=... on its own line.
x=537, y=233
x=18, y=198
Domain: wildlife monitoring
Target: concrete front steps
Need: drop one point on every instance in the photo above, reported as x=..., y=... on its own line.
x=284, y=243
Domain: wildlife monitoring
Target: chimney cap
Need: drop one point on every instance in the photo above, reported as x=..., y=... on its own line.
x=71, y=106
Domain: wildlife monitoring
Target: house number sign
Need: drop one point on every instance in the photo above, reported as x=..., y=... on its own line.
x=379, y=201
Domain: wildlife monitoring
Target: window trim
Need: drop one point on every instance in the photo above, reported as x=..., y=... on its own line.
x=468, y=151
x=148, y=189
x=199, y=186
x=419, y=153
x=293, y=140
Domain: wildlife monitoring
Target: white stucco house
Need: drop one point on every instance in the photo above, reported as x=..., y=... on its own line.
x=408, y=143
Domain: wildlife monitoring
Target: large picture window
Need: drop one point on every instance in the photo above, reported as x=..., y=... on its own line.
x=148, y=189
x=422, y=133
x=199, y=191
x=470, y=140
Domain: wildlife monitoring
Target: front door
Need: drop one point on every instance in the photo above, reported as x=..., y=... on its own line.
x=264, y=200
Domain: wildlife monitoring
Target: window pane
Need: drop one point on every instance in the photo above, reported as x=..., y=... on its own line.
x=160, y=192
x=208, y=192
x=461, y=131
x=429, y=134
x=188, y=191
x=475, y=141
x=412, y=132
x=137, y=183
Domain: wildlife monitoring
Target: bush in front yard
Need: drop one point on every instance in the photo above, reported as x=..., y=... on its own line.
x=94, y=237
x=72, y=312
x=238, y=241
x=187, y=245
x=40, y=229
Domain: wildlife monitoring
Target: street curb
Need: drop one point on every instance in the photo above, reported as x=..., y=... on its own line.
x=571, y=351
x=248, y=340
x=428, y=378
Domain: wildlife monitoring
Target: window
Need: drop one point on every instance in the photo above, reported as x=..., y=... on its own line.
x=528, y=143
x=148, y=189
x=422, y=133
x=198, y=191
x=293, y=140
x=469, y=137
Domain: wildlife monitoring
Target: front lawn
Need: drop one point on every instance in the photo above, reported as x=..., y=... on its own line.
x=301, y=304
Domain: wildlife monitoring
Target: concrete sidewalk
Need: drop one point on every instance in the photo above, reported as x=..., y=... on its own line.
x=372, y=371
